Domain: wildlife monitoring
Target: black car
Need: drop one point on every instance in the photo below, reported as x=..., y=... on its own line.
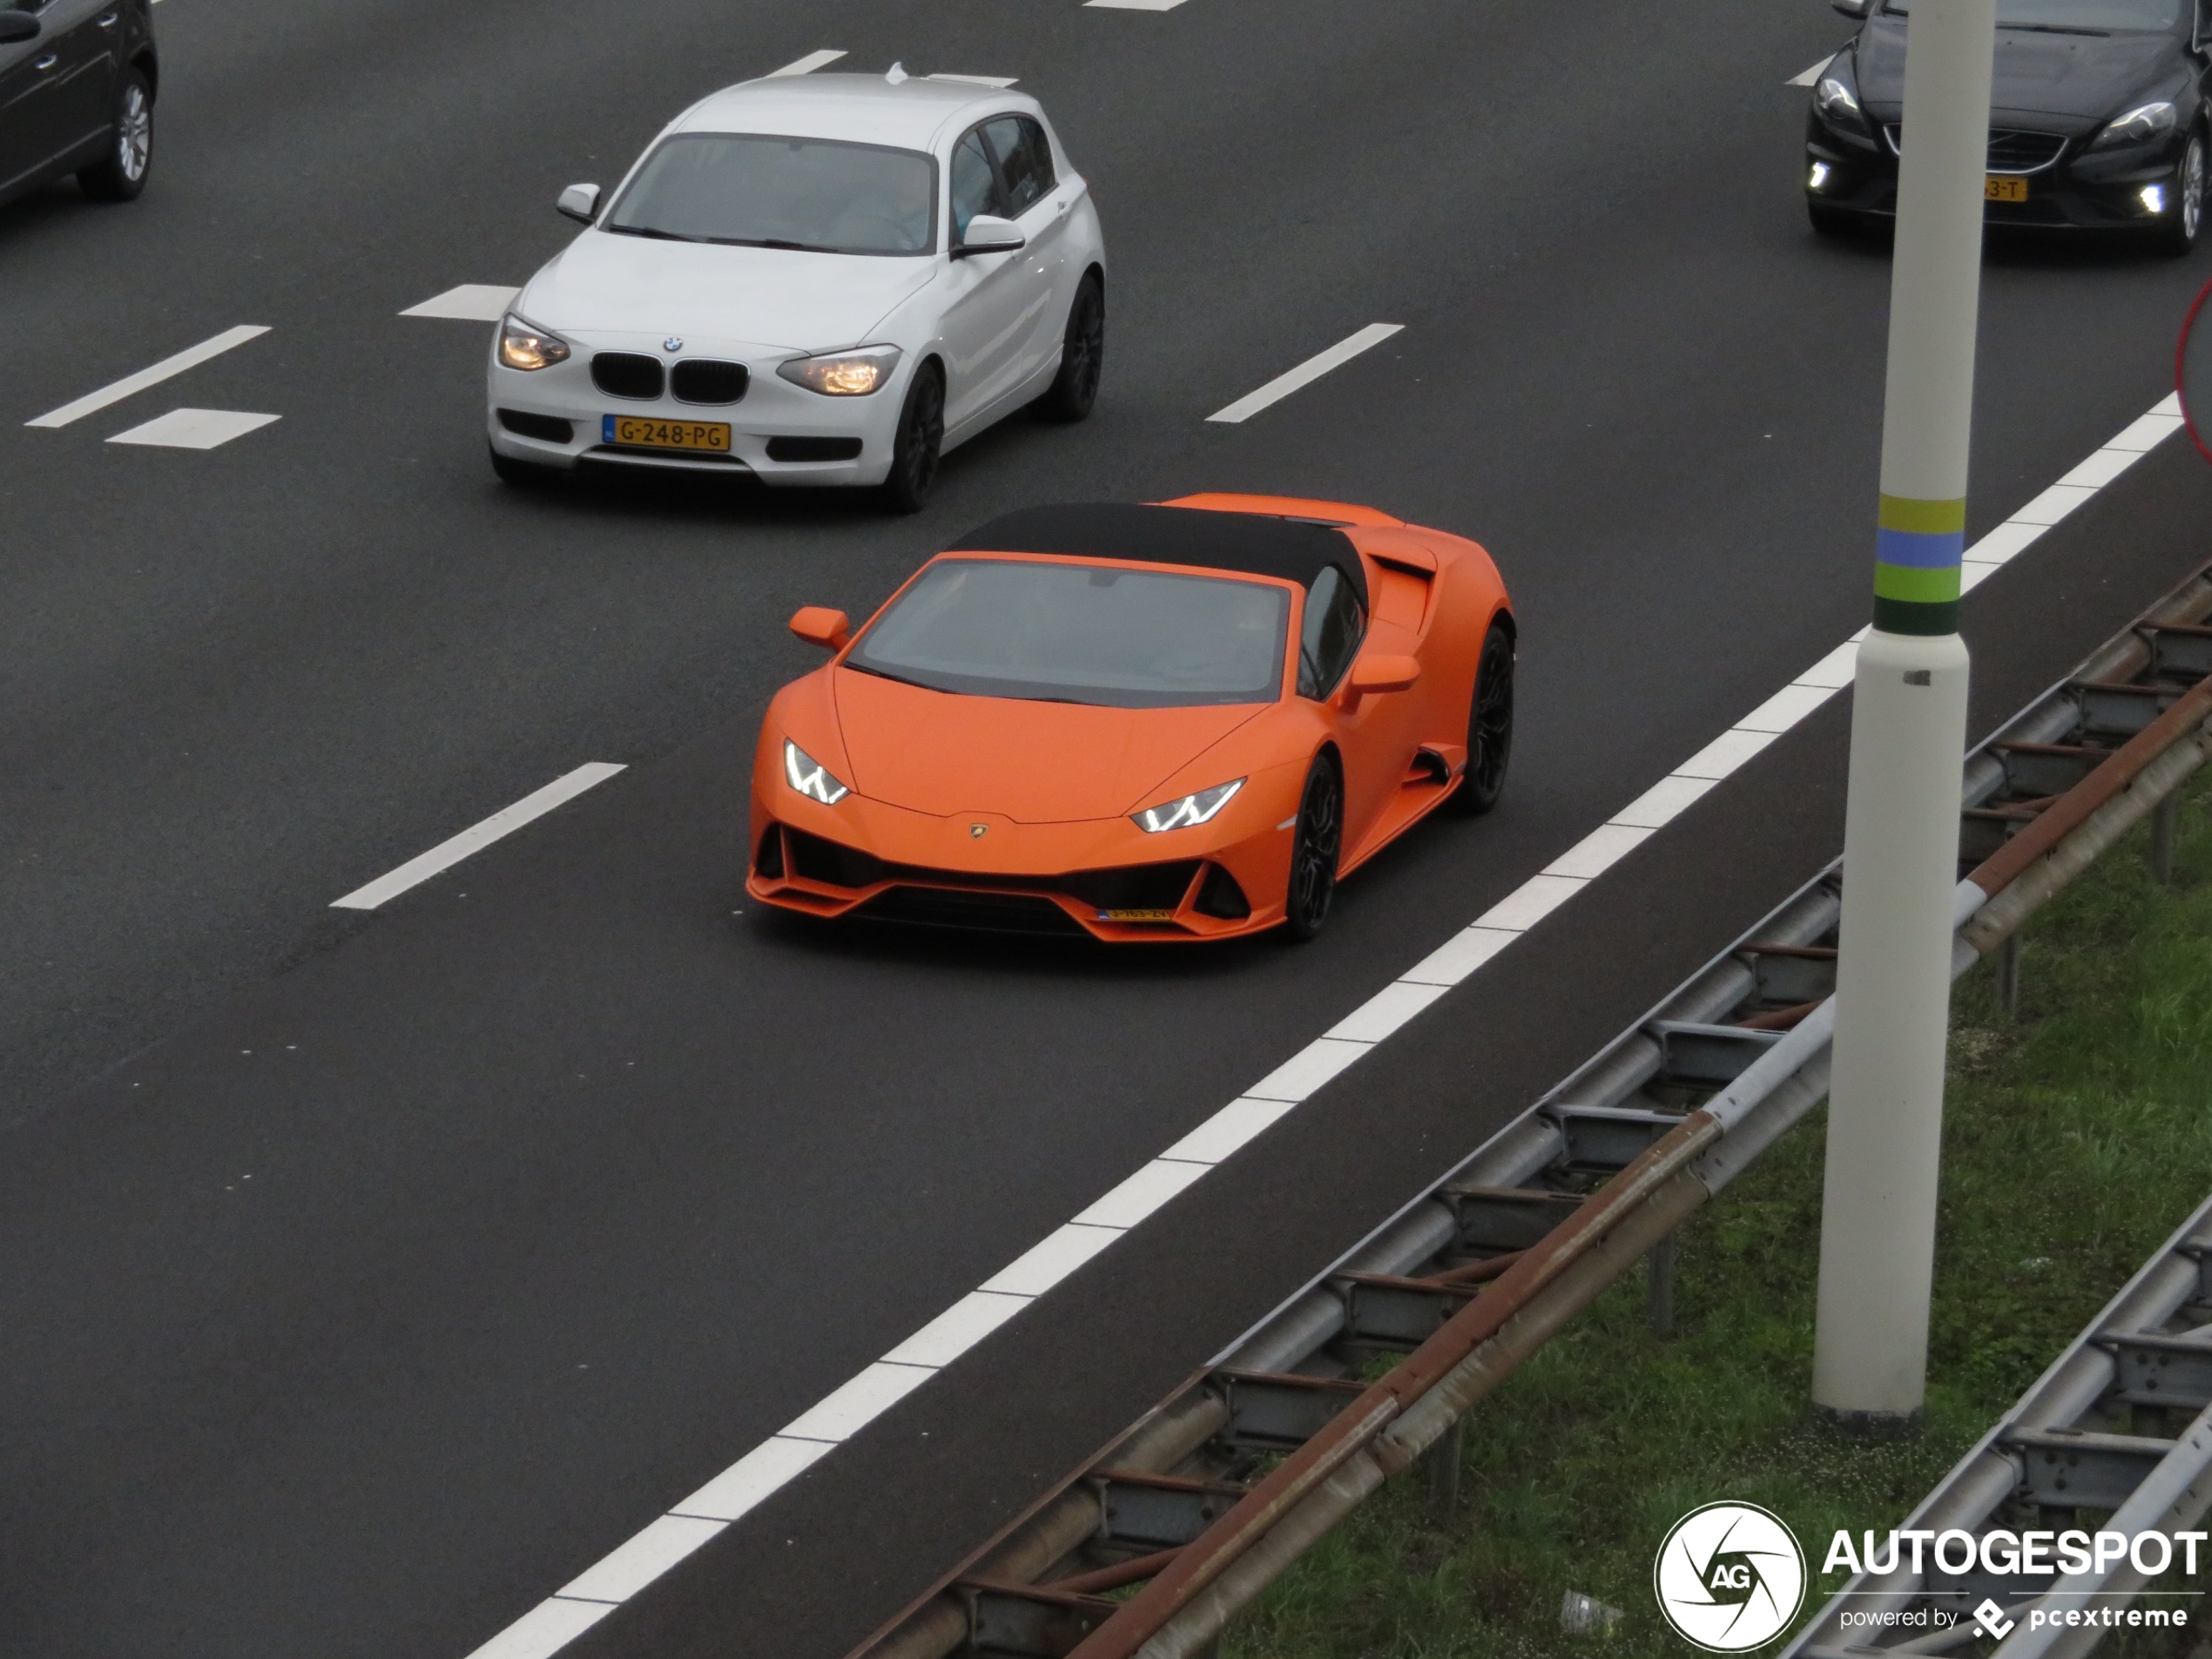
x=2097, y=117
x=77, y=79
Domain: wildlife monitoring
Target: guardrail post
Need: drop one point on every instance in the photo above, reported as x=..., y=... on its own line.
x=1442, y=1460
x=1908, y=730
x=2162, y=840
x=2008, y=975
x=1660, y=1308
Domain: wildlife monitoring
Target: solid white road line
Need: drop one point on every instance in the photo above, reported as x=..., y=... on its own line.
x=1810, y=75
x=785, y=1455
x=92, y=403
x=470, y=302
x=808, y=65
x=194, y=428
x=999, y=81
x=477, y=837
x=1308, y=372
x=1136, y=5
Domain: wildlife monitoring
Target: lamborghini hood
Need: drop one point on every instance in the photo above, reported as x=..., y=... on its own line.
x=1037, y=763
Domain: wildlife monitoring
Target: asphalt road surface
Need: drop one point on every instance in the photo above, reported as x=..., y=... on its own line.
x=363, y=1279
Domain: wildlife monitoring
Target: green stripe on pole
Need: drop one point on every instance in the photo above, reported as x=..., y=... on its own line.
x=1905, y=617
x=1938, y=586
x=1927, y=517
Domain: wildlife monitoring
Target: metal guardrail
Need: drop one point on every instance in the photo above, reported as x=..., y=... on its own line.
x=2093, y=1434
x=1215, y=1492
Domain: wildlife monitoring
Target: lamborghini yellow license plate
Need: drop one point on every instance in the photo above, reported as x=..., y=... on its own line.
x=637, y=432
x=1997, y=189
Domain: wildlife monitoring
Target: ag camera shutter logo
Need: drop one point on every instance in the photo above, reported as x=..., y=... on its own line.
x=1729, y=1577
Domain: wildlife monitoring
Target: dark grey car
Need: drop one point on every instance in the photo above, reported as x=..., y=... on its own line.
x=2097, y=117
x=77, y=80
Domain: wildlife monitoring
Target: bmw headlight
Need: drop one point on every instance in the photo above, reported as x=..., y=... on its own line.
x=2139, y=125
x=1188, y=810
x=845, y=373
x=810, y=777
x=1837, y=104
x=523, y=345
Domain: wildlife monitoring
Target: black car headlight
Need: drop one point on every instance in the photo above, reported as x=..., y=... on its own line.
x=1838, y=104
x=2139, y=126
x=810, y=777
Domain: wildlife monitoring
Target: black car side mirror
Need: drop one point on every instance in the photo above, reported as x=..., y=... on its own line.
x=16, y=27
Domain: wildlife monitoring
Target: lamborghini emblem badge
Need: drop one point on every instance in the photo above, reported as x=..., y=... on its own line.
x=979, y=831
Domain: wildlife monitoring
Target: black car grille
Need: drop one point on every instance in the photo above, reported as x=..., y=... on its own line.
x=814, y=448
x=1005, y=913
x=707, y=380
x=627, y=374
x=550, y=428
x=2009, y=150
x=1137, y=886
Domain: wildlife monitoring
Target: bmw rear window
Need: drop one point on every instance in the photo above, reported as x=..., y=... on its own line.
x=1101, y=634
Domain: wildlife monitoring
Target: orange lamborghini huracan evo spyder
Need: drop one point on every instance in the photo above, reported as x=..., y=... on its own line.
x=1173, y=722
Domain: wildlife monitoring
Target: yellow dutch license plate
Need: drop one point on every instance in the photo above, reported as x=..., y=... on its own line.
x=1997, y=189
x=637, y=432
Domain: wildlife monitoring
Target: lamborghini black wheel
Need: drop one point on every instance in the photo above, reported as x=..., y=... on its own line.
x=1489, y=726
x=1315, y=846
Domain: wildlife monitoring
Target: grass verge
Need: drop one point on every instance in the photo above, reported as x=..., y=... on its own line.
x=2075, y=1141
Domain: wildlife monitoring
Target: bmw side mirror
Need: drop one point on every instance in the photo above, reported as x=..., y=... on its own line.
x=819, y=625
x=16, y=27
x=987, y=234
x=580, y=203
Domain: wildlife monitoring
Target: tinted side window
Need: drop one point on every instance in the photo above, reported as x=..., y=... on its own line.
x=975, y=185
x=1329, y=637
x=1024, y=156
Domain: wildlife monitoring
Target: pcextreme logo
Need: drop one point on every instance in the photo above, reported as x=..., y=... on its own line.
x=1729, y=1577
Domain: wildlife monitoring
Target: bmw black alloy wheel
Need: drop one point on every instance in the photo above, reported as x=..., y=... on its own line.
x=920, y=440
x=1489, y=724
x=1315, y=849
x=1082, y=355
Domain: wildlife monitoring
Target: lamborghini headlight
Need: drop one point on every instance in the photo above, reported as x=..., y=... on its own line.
x=1187, y=811
x=845, y=373
x=524, y=345
x=810, y=777
x=2146, y=122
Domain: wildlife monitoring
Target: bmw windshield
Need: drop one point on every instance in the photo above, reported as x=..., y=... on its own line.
x=1109, y=636
x=2072, y=17
x=815, y=195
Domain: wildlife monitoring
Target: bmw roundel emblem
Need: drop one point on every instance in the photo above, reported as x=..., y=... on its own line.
x=674, y=342
x=979, y=831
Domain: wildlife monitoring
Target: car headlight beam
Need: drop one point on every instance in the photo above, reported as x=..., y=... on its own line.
x=2138, y=125
x=525, y=345
x=844, y=373
x=1186, y=810
x=810, y=777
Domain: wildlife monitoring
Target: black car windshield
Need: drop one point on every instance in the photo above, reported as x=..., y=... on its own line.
x=815, y=194
x=1114, y=636
x=2094, y=16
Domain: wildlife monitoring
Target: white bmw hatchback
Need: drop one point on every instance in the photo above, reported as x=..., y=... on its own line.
x=820, y=279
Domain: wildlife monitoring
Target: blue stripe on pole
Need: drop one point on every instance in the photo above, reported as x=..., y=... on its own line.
x=1921, y=550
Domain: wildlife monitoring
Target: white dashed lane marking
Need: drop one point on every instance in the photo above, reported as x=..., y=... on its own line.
x=167, y=368
x=845, y=1411
x=1810, y=75
x=808, y=65
x=470, y=302
x=1307, y=372
x=194, y=428
x=477, y=837
x=1134, y=5
x=999, y=81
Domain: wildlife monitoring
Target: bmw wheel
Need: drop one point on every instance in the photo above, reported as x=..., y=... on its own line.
x=921, y=439
x=121, y=174
x=2178, y=234
x=1489, y=726
x=1082, y=354
x=1315, y=846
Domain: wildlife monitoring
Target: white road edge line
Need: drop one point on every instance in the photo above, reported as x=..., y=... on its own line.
x=168, y=368
x=805, y=66
x=1308, y=372
x=784, y=1456
x=477, y=837
x=1812, y=74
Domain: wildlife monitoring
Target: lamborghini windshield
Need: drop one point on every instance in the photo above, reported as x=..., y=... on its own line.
x=1081, y=633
